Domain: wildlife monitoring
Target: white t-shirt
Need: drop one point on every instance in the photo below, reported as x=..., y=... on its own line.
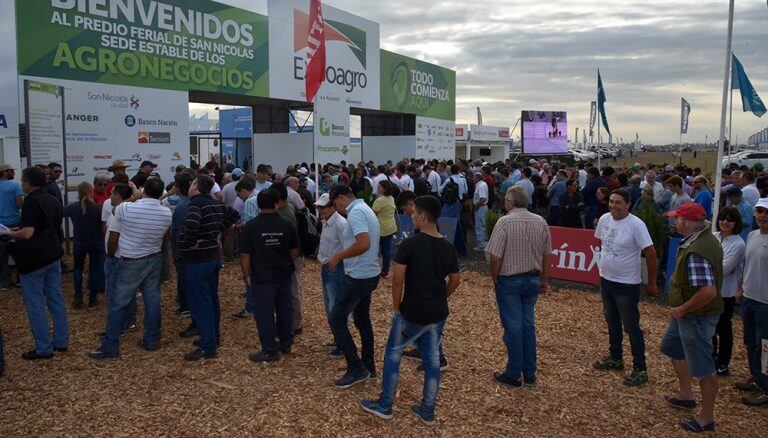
x=106, y=210
x=434, y=181
x=404, y=182
x=622, y=242
x=377, y=179
x=756, y=267
x=114, y=226
x=481, y=191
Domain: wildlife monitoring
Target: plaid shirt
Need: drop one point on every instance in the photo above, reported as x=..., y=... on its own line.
x=700, y=272
x=520, y=239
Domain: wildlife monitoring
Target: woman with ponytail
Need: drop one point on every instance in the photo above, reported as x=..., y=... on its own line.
x=85, y=215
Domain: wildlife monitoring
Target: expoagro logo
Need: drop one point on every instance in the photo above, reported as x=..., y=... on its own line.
x=353, y=37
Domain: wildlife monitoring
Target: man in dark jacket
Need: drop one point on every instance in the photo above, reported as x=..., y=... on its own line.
x=198, y=246
x=571, y=205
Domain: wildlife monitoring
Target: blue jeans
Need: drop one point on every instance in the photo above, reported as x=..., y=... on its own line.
x=110, y=272
x=620, y=303
x=690, y=339
x=516, y=298
x=41, y=289
x=203, y=293
x=355, y=298
x=182, y=298
x=452, y=210
x=331, y=289
x=754, y=315
x=440, y=328
x=385, y=249
x=132, y=275
x=271, y=304
x=427, y=337
x=96, y=283
x=480, y=214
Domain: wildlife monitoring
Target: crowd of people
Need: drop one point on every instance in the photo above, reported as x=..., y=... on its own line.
x=131, y=230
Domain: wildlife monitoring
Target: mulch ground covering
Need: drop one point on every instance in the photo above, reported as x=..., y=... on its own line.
x=157, y=393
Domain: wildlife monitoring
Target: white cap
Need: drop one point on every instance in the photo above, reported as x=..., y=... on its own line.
x=762, y=203
x=323, y=201
x=303, y=171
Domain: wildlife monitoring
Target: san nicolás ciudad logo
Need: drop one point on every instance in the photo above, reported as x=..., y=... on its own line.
x=353, y=37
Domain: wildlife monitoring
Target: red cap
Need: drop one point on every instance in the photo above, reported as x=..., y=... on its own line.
x=690, y=212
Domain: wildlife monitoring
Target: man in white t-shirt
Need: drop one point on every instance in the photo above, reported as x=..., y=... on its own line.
x=480, y=207
x=650, y=180
x=121, y=193
x=623, y=237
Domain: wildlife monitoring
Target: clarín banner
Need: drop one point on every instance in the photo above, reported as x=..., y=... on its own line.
x=416, y=87
x=175, y=44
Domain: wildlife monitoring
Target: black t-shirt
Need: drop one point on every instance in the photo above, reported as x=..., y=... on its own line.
x=86, y=227
x=429, y=260
x=269, y=239
x=41, y=211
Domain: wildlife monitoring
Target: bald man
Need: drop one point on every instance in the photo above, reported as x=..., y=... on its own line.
x=292, y=183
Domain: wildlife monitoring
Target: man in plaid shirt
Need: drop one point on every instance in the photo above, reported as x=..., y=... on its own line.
x=695, y=295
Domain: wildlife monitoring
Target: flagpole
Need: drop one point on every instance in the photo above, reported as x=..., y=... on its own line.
x=723, y=110
x=730, y=120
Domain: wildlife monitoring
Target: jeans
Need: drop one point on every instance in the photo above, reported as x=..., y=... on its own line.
x=690, y=339
x=553, y=217
x=590, y=211
x=427, y=337
x=110, y=272
x=296, y=295
x=203, y=293
x=5, y=269
x=480, y=214
x=452, y=210
x=385, y=249
x=331, y=289
x=96, y=283
x=754, y=315
x=182, y=289
x=271, y=304
x=41, y=289
x=440, y=328
x=132, y=275
x=516, y=298
x=355, y=298
x=620, y=303
x=723, y=339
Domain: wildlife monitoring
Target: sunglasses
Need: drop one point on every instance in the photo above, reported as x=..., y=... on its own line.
x=727, y=219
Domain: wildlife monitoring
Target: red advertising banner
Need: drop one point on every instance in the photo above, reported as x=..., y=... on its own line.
x=575, y=253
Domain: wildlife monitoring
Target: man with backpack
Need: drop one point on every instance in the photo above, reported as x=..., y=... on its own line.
x=452, y=191
x=418, y=185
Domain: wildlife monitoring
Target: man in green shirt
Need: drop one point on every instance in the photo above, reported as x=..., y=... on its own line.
x=695, y=294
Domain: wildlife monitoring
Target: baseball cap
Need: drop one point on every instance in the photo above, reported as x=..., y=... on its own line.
x=237, y=172
x=303, y=171
x=147, y=163
x=4, y=167
x=338, y=191
x=324, y=201
x=762, y=203
x=690, y=211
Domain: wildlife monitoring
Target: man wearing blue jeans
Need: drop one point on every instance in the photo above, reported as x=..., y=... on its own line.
x=520, y=248
x=361, y=268
x=142, y=228
x=754, y=308
x=198, y=246
x=10, y=202
x=695, y=289
x=420, y=304
x=40, y=227
x=120, y=193
x=623, y=237
x=480, y=209
x=330, y=243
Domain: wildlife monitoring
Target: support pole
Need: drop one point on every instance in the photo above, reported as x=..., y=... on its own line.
x=723, y=111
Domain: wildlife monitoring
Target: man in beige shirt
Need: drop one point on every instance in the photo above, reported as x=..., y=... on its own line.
x=520, y=248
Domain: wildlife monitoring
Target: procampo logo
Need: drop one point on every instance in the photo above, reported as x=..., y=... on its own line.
x=325, y=128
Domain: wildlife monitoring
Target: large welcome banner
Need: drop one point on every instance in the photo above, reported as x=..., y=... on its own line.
x=173, y=44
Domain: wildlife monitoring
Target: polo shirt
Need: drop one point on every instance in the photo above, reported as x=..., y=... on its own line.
x=9, y=211
x=361, y=219
x=143, y=225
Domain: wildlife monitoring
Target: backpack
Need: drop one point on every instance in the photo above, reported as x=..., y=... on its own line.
x=395, y=188
x=450, y=192
x=309, y=233
x=470, y=188
x=421, y=186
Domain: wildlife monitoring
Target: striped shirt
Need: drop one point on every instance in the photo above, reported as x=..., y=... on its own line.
x=520, y=239
x=142, y=227
x=204, y=220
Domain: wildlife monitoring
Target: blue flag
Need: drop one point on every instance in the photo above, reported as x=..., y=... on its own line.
x=601, y=102
x=749, y=98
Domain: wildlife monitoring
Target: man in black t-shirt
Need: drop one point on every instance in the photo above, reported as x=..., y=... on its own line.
x=422, y=264
x=268, y=248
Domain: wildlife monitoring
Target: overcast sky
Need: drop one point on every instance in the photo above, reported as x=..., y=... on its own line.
x=512, y=55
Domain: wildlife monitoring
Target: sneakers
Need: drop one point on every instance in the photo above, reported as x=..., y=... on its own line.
x=412, y=354
x=609, y=364
x=757, y=398
x=32, y=355
x=199, y=354
x=242, y=314
x=98, y=353
x=190, y=331
x=443, y=365
x=263, y=357
x=427, y=418
x=723, y=371
x=529, y=381
x=639, y=377
x=373, y=407
x=148, y=347
x=507, y=381
x=746, y=385
x=353, y=377
x=336, y=353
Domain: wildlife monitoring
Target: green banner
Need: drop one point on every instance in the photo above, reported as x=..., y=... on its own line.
x=417, y=87
x=175, y=44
